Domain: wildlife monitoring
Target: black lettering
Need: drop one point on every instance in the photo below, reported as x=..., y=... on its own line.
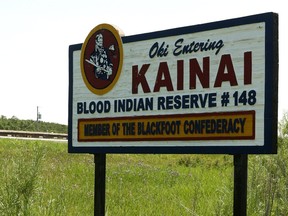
x=79, y=108
x=194, y=101
x=178, y=44
x=97, y=130
x=185, y=101
x=92, y=107
x=219, y=45
x=160, y=104
x=169, y=102
x=212, y=100
x=177, y=101
x=153, y=50
x=193, y=46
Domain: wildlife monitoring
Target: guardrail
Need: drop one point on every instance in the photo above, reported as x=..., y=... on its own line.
x=32, y=134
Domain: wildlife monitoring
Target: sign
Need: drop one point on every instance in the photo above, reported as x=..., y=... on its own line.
x=210, y=88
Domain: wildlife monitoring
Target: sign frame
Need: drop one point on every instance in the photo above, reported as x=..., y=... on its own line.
x=271, y=92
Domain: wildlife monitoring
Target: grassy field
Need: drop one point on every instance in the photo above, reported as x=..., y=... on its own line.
x=41, y=178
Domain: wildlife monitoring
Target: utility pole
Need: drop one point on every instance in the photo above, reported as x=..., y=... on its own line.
x=38, y=118
x=38, y=114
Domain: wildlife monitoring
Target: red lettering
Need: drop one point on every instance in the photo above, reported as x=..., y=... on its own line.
x=225, y=63
x=203, y=76
x=201, y=73
x=163, y=70
x=139, y=78
x=180, y=74
x=247, y=68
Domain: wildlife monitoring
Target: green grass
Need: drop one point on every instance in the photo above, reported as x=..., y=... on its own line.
x=41, y=178
x=163, y=185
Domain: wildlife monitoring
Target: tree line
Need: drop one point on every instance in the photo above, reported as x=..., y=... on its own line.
x=14, y=123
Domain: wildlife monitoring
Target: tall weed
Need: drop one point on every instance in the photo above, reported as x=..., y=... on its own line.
x=268, y=183
x=20, y=176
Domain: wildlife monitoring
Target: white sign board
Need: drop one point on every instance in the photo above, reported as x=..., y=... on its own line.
x=209, y=88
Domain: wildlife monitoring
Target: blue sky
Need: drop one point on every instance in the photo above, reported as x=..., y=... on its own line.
x=35, y=36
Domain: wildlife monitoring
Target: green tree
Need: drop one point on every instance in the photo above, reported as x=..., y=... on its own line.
x=14, y=123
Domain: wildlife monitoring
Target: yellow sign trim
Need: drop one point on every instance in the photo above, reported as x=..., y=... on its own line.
x=116, y=34
x=210, y=126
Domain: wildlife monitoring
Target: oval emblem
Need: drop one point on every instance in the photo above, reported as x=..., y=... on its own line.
x=101, y=59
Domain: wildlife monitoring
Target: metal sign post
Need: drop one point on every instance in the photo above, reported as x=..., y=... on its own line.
x=99, y=190
x=240, y=185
